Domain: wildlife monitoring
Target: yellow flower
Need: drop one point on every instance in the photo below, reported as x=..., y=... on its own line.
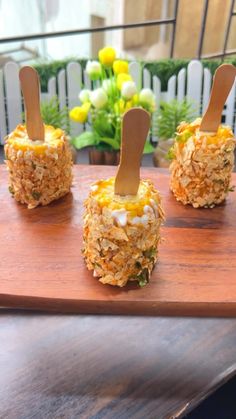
x=120, y=66
x=135, y=100
x=128, y=105
x=107, y=56
x=122, y=78
x=80, y=113
x=153, y=107
x=121, y=106
x=117, y=106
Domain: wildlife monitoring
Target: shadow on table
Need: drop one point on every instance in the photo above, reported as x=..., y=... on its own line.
x=221, y=405
x=121, y=365
x=101, y=366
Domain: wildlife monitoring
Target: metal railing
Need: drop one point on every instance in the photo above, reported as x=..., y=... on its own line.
x=224, y=51
x=168, y=21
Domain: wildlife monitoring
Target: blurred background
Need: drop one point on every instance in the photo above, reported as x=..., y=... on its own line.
x=204, y=28
x=173, y=48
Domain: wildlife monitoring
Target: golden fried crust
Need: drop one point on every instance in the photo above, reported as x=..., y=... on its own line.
x=39, y=173
x=202, y=165
x=119, y=244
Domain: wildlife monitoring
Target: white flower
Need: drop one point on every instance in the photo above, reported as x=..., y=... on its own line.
x=108, y=85
x=94, y=69
x=84, y=95
x=98, y=98
x=128, y=89
x=147, y=96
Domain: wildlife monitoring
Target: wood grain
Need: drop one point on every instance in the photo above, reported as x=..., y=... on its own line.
x=30, y=86
x=135, y=128
x=42, y=267
x=222, y=84
x=96, y=367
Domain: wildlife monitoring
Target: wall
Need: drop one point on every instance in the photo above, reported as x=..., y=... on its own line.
x=189, y=26
x=19, y=17
x=23, y=17
x=147, y=43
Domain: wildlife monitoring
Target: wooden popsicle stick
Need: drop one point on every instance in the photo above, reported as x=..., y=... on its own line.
x=135, y=127
x=30, y=87
x=223, y=81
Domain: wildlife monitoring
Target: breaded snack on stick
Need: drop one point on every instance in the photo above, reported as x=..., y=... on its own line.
x=39, y=171
x=122, y=233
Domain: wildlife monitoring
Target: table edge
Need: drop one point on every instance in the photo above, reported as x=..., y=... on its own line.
x=137, y=308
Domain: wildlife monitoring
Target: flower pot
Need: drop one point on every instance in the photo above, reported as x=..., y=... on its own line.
x=104, y=157
x=96, y=156
x=160, y=153
x=112, y=157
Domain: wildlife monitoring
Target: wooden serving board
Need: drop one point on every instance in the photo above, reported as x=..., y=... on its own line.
x=41, y=266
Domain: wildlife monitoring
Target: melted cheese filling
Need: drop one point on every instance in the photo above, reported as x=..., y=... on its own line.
x=54, y=138
x=137, y=205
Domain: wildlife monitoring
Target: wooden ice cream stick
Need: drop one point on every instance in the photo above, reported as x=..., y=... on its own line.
x=135, y=127
x=30, y=87
x=223, y=81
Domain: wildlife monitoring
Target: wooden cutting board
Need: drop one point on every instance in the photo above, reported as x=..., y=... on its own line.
x=41, y=266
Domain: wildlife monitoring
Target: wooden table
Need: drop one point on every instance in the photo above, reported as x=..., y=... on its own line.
x=77, y=366
x=74, y=366
x=195, y=274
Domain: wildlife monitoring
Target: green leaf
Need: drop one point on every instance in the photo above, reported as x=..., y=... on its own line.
x=149, y=253
x=170, y=154
x=183, y=137
x=169, y=116
x=85, y=139
x=138, y=264
x=53, y=115
x=36, y=195
x=148, y=148
x=143, y=278
x=112, y=142
x=11, y=190
x=102, y=125
x=142, y=283
x=104, y=147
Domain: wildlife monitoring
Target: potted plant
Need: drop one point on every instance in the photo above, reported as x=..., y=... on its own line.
x=113, y=92
x=165, y=123
x=58, y=118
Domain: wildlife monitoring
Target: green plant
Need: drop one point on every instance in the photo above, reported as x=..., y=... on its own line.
x=168, y=117
x=164, y=69
x=103, y=106
x=46, y=70
x=53, y=115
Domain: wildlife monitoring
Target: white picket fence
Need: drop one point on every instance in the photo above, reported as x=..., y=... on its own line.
x=193, y=83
